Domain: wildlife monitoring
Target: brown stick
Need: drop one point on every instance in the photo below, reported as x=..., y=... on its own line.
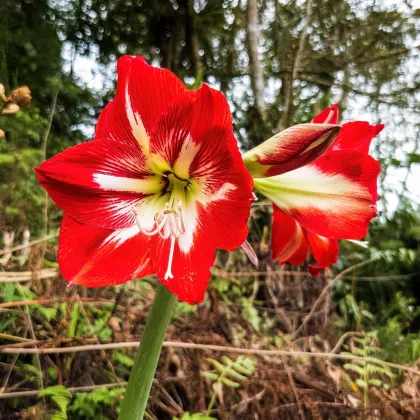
x=208, y=347
x=327, y=288
x=52, y=301
x=73, y=390
x=35, y=242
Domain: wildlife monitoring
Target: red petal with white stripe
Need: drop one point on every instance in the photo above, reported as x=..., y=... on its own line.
x=96, y=257
x=342, y=195
x=190, y=270
x=329, y=115
x=193, y=137
x=98, y=182
x=335, y=196
x=143, y=94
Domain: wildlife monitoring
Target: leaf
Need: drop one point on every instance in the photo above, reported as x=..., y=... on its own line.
x=229, y=383
x=124, y=359
x=361, y=383
x=61, y=396
x=210, y=375
x=251, y=314
x=74, y=318
x=375, y=382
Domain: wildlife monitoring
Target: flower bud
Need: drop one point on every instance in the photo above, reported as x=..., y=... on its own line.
x=2, y=95
x=21, y=96
x=10, y=109
x=290, y=149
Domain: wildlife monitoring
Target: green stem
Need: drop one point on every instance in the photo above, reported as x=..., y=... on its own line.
x=214, y=395
x=143, y=372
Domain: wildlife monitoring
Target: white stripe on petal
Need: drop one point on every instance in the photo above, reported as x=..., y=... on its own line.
x=137, y=126
x=186, y=240
x=186, y=156
x=119, y=236
x=114, y=183
x=308, y=187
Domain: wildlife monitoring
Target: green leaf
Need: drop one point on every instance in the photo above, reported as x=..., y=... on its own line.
x=210, y=375
x=123, y=359
x=229, y=383
x=61, y=396
x=74, y=319
x=361, y=383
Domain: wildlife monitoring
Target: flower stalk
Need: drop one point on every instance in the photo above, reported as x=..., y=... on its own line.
x=143, y=372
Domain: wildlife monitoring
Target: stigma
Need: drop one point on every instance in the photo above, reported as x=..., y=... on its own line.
x=168, y=224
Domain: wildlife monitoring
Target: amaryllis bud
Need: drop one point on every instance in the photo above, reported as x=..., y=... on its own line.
x=21, y=96
x=2, y=134
x=290, y=149
x=2, y=95
x=10, y=109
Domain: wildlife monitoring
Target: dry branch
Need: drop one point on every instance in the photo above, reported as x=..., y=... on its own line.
x=208, y=347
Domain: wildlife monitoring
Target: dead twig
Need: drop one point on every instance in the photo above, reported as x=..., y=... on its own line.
x=326, y=289
x=208, y=347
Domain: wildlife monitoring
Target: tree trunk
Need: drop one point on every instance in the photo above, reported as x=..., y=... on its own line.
x=288, y=88
x=257, y=76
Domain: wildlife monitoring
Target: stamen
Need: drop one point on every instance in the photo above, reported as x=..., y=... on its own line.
x=173, y=226
x=181, y=225
x=171, y=257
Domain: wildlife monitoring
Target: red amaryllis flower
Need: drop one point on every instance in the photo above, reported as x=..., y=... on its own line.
x=159, y=189
x=333, y=197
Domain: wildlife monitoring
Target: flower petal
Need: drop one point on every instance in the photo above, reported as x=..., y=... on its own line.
x=356, y=135
x=96, y=257
x=193, y=137
x=335, y=196
x=290, y=149
x=324, y=250
x=190, y=270
x=329, y=115
x=288, y=242
x=99, y=182
x=143, y=93
x=225, y=213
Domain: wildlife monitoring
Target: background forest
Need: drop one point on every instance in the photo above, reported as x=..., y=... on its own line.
x=279, y=62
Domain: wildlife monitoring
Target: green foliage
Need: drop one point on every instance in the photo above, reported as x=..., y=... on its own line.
x=90, y=405
x=251, y=314
x=369, y=373
x=182, y=308
x=123, y=359
x=229, y=372
x=196, y=416
x=61, y=397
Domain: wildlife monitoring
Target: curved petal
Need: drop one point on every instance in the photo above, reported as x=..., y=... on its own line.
x=356, y=135
x=190, y=270
x=143, y=93
x=324, y=250
x=329, y=115
x=335, y=196
x=225, y=213
x=290, y=149
x=193, y=136
x=96, y=257
x=99, y=182
x=288, y=242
